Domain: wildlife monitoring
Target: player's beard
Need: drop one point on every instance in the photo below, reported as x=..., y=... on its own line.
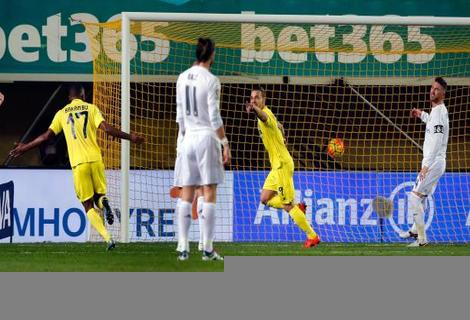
x=434, y=99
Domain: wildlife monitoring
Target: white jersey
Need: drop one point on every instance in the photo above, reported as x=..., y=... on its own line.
x=198, y=100
x=437, y=135
x=198, y=115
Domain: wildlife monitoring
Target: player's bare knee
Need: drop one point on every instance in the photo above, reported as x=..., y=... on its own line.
x=288, y=207
x=265, y=198
x=210, y=193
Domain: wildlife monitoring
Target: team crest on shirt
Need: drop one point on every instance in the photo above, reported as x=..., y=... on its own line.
x=439, y=128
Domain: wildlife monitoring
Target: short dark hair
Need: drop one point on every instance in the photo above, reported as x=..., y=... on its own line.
x=75, y=89
x=205, y=48
x=260, y=89
x=442, y=82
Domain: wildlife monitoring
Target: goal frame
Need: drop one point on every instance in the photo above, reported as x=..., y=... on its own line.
x=127, y=17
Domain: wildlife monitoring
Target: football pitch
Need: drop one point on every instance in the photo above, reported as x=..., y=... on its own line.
x=162, y=256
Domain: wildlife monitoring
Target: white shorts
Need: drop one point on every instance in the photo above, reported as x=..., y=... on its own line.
x=201, y=160
x=428, y=185
x=177, y=178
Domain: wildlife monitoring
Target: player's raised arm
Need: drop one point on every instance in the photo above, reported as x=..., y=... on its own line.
x=21, y=148
x=115, y=132
x=418, y=113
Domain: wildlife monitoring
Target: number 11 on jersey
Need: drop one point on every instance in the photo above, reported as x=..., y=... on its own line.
x=191, y=102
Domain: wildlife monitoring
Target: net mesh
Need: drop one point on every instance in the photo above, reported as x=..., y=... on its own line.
x=357, y=83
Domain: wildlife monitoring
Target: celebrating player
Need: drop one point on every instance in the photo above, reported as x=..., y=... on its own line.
x=434, y=159
x=79, y=121
x=278, y=190
x=200, y=122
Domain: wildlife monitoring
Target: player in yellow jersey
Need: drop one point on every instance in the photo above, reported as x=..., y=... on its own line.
x=80, y=121
x=278, y=190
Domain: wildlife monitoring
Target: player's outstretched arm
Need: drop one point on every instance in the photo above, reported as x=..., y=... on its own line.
x=418, y=113
x=21, y=148
x=263, y=116
x=115, y=132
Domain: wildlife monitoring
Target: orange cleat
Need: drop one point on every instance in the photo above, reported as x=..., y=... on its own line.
x=302, y=206
x=310, y=243
x=175, y=192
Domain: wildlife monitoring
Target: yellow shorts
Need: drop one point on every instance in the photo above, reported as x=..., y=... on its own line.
x=89, y=179
x=281, y=180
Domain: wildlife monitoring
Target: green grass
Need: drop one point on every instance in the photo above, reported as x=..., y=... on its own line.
x=162, y=256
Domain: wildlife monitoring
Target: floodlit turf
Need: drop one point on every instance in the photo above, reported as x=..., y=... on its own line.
x=162, y=256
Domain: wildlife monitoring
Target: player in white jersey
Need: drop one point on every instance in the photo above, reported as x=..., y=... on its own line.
x=434, y=159
x=200, y=122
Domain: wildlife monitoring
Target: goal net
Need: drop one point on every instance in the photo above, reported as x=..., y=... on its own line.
x=346, y=77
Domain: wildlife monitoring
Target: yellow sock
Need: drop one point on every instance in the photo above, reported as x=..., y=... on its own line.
x=301, y=220
x=276, y=202
x=98, y=224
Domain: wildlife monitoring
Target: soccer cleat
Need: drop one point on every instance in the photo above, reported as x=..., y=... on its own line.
x=183, y=255
x=175, y=192
x=111, y=245
x=303, y=207
x=417, y=244
x=107, y=211
x=211, y=256
x=310, y=243
x=408, y=234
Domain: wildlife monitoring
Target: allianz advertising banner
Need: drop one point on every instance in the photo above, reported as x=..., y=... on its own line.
x=43, y=40
x=339, y=204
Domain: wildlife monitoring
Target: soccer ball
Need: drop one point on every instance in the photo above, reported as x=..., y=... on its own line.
x=335, y=148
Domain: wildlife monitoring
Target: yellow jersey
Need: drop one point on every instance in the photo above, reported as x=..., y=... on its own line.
x=79, y=120
x=273, y=141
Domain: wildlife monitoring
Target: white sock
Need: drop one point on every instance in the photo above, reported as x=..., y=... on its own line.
x=183, y=209
x=416, y=207
x=178, y=246
x=413, y=227
x=208, y=221
x=200, y=203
